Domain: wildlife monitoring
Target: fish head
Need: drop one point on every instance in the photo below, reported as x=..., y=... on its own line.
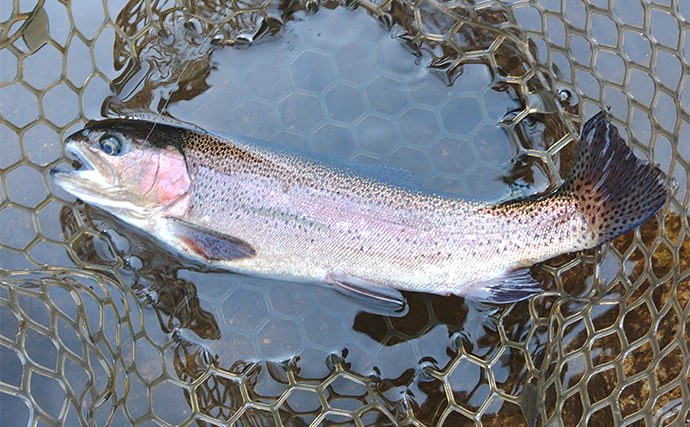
x=132, y=167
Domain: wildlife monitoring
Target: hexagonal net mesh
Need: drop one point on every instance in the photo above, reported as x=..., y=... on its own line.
x=99, y=326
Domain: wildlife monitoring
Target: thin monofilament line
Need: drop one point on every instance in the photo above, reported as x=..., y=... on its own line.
x=184, y=68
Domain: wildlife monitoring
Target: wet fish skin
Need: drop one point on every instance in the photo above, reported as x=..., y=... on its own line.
x=254, y=208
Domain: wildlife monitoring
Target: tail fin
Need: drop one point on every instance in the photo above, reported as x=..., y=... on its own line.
x=616, y=190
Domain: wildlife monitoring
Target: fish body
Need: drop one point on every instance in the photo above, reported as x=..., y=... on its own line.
x=251, y=207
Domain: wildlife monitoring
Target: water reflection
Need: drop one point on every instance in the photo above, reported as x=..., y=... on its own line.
x=161, y=59
x=132, y=335
x=164, y=53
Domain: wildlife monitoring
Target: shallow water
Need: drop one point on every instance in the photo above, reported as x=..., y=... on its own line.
x=98, y=326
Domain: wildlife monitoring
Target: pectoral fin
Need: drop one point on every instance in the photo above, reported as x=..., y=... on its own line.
x=512, y=286
x=379, y=296
x=210, y=244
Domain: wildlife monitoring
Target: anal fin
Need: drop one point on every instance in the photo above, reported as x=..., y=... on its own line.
x=210, y=244
x=388, y=299
x=512, y=286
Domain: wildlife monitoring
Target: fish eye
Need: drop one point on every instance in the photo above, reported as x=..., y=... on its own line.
x=111, y=144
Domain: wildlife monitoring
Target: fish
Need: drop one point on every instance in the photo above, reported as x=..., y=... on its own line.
x=252, y=207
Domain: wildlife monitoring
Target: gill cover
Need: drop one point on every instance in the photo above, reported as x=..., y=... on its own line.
x=127, y=166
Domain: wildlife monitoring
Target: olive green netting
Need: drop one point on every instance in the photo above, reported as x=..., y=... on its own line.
x=100, y=329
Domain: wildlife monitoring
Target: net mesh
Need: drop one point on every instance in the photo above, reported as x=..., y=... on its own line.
x=98, y=327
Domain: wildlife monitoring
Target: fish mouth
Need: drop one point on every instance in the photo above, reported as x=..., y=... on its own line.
x=93, y=177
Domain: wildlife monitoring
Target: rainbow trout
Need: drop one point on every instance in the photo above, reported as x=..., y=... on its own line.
x=250, y=207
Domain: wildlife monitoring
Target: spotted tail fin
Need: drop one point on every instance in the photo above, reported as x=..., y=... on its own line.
x=616, y=191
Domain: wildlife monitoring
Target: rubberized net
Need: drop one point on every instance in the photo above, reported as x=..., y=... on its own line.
x=98, y=326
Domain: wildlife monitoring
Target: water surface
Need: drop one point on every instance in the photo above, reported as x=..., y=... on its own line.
x=99, y=326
